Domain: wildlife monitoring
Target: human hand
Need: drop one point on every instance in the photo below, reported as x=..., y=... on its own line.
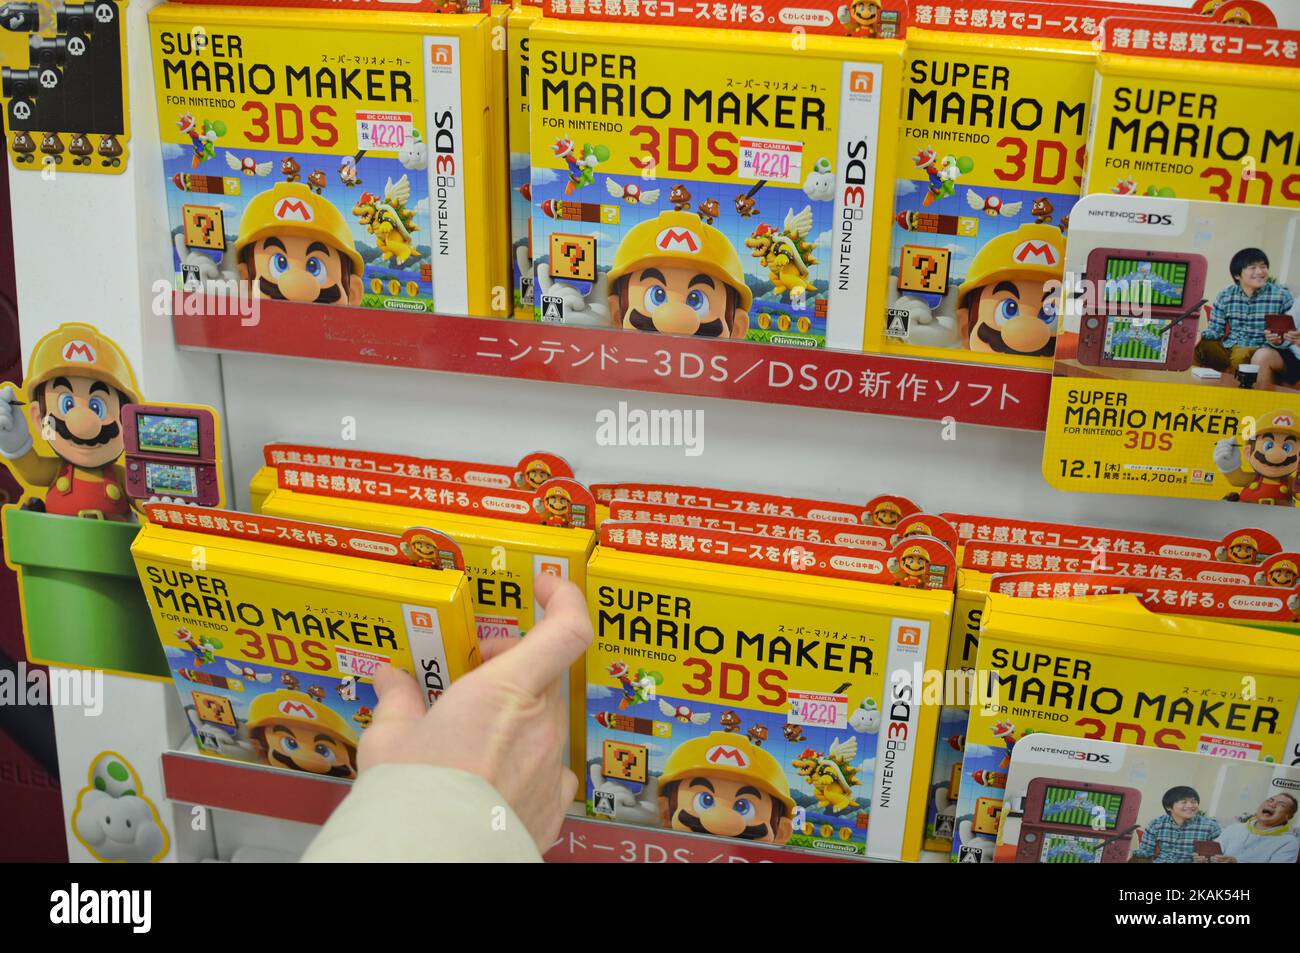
x=505, y=721
x=1273, y=338
x=1292, y=337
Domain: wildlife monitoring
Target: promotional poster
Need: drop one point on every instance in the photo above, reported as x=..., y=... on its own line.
x=1179, y=363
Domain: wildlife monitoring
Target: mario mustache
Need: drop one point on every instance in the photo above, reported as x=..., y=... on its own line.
x=1288, y=463
x=643, y=322
x=993, y=338
x=106, y=433
x=753, y=832
x=271, y=290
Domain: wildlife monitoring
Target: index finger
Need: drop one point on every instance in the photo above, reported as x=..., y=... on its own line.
x=553, y=644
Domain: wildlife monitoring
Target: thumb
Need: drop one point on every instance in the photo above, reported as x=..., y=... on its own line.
x=544, y=276
x=400, y=698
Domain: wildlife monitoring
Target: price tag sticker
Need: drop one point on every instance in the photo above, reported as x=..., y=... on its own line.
x=496, y=627
x=1233, y=748
x=383, y=132
x=358, y=663
x=771, y=160
x=818, y=710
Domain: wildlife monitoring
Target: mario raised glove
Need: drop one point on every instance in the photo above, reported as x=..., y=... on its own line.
x=15, y=438
x=1227, y=455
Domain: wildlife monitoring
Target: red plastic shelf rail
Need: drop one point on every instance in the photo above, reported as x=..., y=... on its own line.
x=692, y=367
x=192, y=778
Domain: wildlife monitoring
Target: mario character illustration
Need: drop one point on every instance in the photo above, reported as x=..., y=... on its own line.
x=861, y=17
x=348, y=172
x=911, y=567
x=941, y=174
x=247, y=165
x=832, y=776
x=316, y=692
x=556, y=507
x=1007, y=304
x=296, y=246
x=680, y=198
x=536, y=473
x=316, y=181
x=203, y=138
x=421, y=549
x=289, y=681
x=202, y=646
x=1006, y=732
x=290, y=169
x=23, y=146
x=992, y=205
x=294, y=731
x=581, y=162
x=1283, y=573
x=866, y=717
x=793, y=733
x=634, y=690
x=746, y=207
x=365, y=716
x=1242, y=549
x=77, y=381
x=709, y=210
x=1273, y=454
x=52, y=147
x=757, y=734
x=1042, y=210
x=886, y=513
x=729, y=721
x=675, y=274
x=80, y=148
x=724, y=785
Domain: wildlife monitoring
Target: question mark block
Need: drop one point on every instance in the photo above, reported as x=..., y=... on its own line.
x=204, y=227
x=624, y=761
x=573, y=257
x=924, y=269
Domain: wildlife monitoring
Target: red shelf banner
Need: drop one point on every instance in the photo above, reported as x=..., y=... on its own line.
x=601, y=357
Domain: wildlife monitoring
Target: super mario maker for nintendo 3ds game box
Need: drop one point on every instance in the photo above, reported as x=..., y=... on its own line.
x=776, y=706
x=330, y=157
x=273, y=643
x=697, y=181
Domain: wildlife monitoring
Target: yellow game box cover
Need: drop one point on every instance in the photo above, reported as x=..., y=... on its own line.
x=507, y=537
x=993, y=138
x=1197, y=111
x=332, y=156
x=273, y=628
x=1109, y=668
x=774, y=693
x=741, y=197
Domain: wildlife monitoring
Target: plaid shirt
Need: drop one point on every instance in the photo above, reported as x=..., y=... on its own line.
x=1175, y=840
x=1245, y=314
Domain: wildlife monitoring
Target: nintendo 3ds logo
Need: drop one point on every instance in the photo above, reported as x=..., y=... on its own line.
x=294, y=709
x=678, y=239
x=861, y=81
x=1036, y=253
x=726, y=754
x=293, y=210
x=909, y=635
x=440, y=54
x=79, y=351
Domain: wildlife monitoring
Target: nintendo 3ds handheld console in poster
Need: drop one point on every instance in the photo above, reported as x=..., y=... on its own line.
x=171, y=452
x=1177, y=369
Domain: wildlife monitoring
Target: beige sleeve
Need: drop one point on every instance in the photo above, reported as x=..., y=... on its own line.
x=416, y=812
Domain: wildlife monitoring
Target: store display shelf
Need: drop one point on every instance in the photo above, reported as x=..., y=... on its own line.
x=693, y=367
x=193, y=778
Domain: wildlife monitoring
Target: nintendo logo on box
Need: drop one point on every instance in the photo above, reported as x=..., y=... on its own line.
x=421, y=620
x=440, y=54
x=909, y=635
x=860, y=81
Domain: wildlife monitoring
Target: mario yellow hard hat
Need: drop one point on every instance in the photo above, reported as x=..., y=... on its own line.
x=682, y=240
x=1285, y=565
x=291, y=208
x=1281, y=421
x=79, y=350
x=284, y=705
x=916, y=551
x=732, y=756
x=1244, y=540
x=1030, y=253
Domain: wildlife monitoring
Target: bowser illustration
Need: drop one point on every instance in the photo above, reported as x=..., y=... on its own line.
x=292, y=730
x=77, y=383
x=294, y=245
x=675, y=274
x=1008, y=302
x=1273, y=454
x=723, y=784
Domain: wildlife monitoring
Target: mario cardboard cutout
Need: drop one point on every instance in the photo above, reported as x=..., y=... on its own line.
x=78, y=381
x=1273, y=455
